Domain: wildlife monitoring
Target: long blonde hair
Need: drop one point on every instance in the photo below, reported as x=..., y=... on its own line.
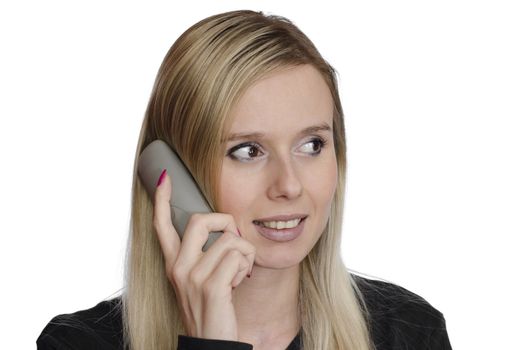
x=202, y=76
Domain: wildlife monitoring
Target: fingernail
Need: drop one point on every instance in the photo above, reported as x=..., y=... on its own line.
x=238, y=231
x=162, y=176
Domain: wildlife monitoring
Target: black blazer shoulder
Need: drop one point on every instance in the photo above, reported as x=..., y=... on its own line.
x=400, y=319
x=99, y=327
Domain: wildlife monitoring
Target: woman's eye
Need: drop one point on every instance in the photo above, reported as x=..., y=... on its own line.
x=244, y=152
x=314, y=146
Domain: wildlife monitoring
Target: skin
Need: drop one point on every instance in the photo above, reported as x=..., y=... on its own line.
x=283, y=174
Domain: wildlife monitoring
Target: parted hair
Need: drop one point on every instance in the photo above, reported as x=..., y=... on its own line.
x=201, y=78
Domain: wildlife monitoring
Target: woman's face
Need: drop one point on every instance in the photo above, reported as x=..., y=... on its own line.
x=280, y=165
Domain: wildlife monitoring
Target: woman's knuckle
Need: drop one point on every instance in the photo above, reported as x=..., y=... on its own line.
x=229, y=218
x=234, y=254
x=195, y=218
x=177, y=273
x=195, y=277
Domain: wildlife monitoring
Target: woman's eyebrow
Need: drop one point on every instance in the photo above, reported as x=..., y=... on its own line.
x=316, y=128
x=258, y=135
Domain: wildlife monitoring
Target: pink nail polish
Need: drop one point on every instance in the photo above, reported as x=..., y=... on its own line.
x=162, y=177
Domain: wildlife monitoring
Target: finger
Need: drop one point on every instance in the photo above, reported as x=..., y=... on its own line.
x=197, y=232
x=230, y=241
x=226, y=272
x=167, y=235
x=214, y=256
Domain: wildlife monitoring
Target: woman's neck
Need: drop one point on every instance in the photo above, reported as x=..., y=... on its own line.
x=266, y=305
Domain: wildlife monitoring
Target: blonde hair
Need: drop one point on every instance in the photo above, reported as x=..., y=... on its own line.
x=202, y=76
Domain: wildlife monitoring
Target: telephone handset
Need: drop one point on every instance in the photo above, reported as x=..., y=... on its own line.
x=186, y=197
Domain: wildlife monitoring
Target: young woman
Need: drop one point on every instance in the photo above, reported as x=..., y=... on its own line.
x=253, y=110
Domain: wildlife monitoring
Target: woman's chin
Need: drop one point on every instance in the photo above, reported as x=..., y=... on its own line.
x=278, y=260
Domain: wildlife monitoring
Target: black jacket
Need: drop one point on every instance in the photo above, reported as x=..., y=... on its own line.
x=398, y=319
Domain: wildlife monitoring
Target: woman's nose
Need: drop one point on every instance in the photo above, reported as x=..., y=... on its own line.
x=285, y=180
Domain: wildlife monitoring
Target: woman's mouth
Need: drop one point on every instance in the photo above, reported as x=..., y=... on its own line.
x=280, y=230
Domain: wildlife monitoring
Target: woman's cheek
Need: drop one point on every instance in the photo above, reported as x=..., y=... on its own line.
x=237, y=190
x=323, y=178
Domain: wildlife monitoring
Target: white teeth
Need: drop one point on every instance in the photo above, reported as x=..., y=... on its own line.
x=279, y=225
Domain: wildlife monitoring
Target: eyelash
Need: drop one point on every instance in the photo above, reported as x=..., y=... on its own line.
x=322, y=143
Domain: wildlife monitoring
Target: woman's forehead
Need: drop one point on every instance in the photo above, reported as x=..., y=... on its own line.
x=293, y=98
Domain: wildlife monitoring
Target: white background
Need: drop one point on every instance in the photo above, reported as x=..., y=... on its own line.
x=435, y=96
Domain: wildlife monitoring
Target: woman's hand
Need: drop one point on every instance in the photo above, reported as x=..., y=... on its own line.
x=203, y=281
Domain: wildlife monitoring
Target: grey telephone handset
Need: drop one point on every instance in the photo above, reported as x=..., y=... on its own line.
x=186, y=197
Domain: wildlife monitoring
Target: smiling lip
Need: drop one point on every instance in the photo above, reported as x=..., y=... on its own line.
x=281, y=235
